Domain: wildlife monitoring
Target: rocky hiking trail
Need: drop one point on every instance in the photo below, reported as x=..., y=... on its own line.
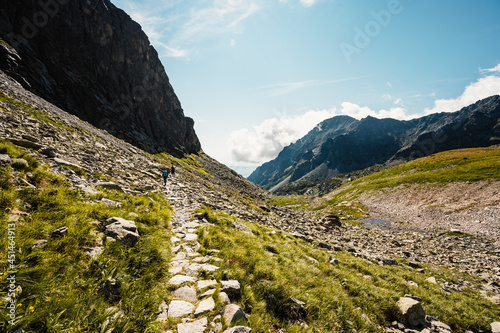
x=193, y=301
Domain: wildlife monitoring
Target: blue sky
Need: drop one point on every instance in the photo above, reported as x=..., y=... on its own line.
x=256, y=75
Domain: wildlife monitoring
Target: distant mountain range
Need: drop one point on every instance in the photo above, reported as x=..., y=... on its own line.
x=343, y=144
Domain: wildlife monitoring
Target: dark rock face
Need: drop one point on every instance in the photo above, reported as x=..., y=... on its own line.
x=89, y=58
x=343, y=144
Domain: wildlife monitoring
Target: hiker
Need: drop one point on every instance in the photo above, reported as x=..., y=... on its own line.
x=165, y=176
x=172, y=170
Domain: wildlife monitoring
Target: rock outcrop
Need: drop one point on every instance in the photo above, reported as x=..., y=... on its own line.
x=91, y=59
x=122, y=230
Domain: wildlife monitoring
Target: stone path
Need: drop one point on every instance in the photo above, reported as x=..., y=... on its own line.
x=193, y=297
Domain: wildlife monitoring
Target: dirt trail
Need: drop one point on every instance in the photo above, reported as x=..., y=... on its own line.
x=473, y=208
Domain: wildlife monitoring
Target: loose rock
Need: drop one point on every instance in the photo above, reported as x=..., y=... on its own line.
x=412, y=311
x=233, y=313
x=198, y=326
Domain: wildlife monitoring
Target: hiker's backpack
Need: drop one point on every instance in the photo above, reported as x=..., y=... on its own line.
x=165, y=173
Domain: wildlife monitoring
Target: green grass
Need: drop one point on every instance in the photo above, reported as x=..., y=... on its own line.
x=189, y=162
x=77, y=170
x=295, y=202
x=62, y=289
x=100, y=176
x=462, y=165
x=273, y=266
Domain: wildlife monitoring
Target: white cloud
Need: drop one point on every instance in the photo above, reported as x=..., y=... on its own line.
x=221, y=16
x=495, y=69
x=482, y=88
x=172, y=51
x=264, y=141
x=387, y=97
x=395, y=100
x=177, y=26
x=359, y=112
x=308, y=3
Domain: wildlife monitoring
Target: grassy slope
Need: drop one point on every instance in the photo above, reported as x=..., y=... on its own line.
x=460, y=165
x=61, y=288
x=273, y=266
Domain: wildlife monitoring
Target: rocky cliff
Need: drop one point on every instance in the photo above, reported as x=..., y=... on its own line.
x=91, y=59
x=343, y=144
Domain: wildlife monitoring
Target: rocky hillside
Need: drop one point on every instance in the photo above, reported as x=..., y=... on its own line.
x=342, y=144
x=105, y=246
x=90, y=59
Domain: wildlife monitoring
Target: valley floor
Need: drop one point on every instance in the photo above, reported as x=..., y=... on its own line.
x=472, y=208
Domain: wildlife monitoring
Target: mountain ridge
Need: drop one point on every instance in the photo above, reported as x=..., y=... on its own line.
x=360, y=144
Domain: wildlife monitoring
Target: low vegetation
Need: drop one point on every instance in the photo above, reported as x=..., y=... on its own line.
x=273, y=266
x=290, y=201
x=189, y=162
x=462, y=165
x=60, y=287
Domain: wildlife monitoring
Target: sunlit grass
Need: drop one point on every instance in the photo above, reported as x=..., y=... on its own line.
x=463, y=165
x=189, y=162
x=62, y=288
x=272, y=266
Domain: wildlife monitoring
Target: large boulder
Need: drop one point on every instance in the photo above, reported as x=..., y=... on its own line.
x=331, y=221
x=121, y=230
x=412, y=311
x=232, y=288
x=4, y=159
